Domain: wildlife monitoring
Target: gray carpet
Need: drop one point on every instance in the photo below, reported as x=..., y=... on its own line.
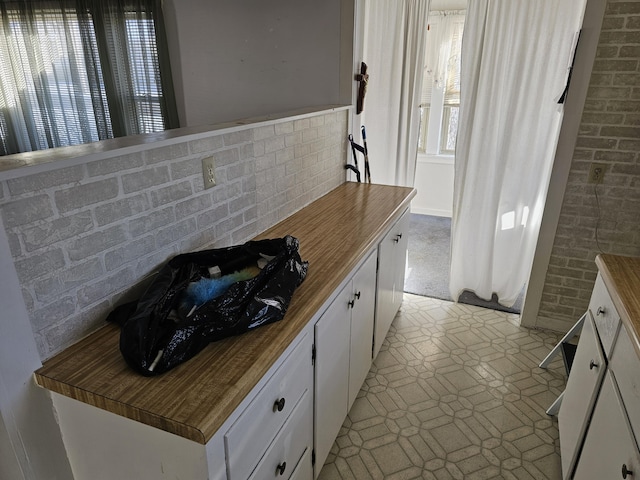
x=428, y=258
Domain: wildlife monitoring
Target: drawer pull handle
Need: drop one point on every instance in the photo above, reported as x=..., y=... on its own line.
x=593, y=365
x=280, y=468
x=357, y=295
x=600, y=311
x=398, y=237
x=625, y=471
x=278, y=405
x=351, y=303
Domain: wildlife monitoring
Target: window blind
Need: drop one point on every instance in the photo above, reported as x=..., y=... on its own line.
x=80, y=71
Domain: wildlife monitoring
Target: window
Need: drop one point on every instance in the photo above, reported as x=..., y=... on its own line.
x=74, y=72
x=440, y=102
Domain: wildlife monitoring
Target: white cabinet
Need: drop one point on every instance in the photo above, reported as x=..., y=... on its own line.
x=609, y=450
x=580, y=395
x=599, y=418
x=331, y=374
x=392, y=253
x=343, y=343
x=362, y=316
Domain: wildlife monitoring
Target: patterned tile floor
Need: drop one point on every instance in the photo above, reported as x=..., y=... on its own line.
x=455, y=393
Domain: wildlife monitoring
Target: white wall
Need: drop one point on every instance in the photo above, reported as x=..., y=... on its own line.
x=232, y=60
x=434, y=182
x=30, y=442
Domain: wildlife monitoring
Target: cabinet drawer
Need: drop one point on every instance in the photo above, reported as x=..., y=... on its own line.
x=288, y=447
x=626, y=367
x=254, y=430
x=605, y=315
x=304, y=469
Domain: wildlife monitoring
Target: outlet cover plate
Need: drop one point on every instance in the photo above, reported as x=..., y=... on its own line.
x=209, y=172
x=596, y=172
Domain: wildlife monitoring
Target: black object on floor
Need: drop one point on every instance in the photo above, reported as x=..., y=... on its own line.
x=428, y=260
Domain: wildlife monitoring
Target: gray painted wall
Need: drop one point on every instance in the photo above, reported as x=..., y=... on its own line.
x=237, y=59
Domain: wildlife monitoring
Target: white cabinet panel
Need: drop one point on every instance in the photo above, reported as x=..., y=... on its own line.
x=392, y=253
x=580, y=394
x=343, y=339
x=609, y=449
x=626, y=365
x=362, y=313
x=332, y=333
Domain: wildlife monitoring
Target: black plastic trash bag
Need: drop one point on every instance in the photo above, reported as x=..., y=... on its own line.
x=176, y=317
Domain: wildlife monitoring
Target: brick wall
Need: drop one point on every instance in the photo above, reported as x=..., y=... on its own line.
x=609, y=134
x=81, y=237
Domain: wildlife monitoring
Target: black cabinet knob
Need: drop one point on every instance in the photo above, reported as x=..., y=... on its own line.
x=278, y=405
x=626, y=472
x=280, y=468
x=351, y=303
x=600, y=311
x=592, y=365
x=357, y=295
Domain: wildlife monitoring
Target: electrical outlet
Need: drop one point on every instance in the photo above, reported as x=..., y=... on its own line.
x=596, y=172
x=209, y=172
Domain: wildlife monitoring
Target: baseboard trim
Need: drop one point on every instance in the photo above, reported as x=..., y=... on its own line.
x=546, y=323
x=431, y=211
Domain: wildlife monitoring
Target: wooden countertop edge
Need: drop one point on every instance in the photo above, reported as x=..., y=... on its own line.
x=203, y=431
x=113, y=406
x=616, y=272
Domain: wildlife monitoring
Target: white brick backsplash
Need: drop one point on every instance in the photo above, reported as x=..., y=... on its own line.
x=67, y=279
x=96, y=243
x=105, y=287
x=151, y=221
x=609, y=134
x=115, y=165
x=226, y=157
x=186, y=168
x=53, y=313
x=206, y=144
x=40, y=264
x=87, y=194
x=117, y=210
x=43, y=181
x=129, y=252
x=56, y=230
x=171, y=193
x=235, y=138
x=163, y=154
x=84, y=238
x=144, y=179
x=26, y=210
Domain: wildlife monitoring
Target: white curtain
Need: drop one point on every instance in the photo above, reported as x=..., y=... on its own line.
x=394, y=43
x=515, y=59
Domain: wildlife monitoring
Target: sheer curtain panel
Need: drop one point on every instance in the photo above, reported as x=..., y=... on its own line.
x=515, y=60
x=394, y=46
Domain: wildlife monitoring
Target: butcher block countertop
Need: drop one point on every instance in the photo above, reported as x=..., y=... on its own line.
x=194, y=399
x=621, y=275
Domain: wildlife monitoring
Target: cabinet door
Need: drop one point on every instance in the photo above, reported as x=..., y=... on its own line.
x=362, y=313
x=579, y=397
x=332, y=333
x=392, y=253
x=609, y=448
